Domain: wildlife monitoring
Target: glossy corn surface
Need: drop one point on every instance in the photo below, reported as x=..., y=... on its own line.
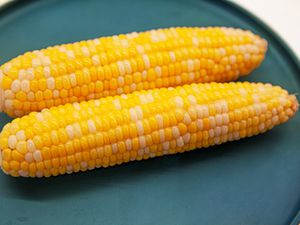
x=120, y=64
x=114, y=130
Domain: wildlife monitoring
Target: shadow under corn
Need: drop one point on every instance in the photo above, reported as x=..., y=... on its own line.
x=129, y=173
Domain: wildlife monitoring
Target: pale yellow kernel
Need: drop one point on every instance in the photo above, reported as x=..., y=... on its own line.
x=37, y=156
x=92, y=126
x=30, y=145
x=180, y=142
x=142, y=141
x=12, y=141
x=175, y=132
x=128, y=144
x=70, y=131
x=140, y=128
x=20, y=135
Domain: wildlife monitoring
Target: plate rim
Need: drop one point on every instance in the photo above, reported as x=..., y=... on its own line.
x=12, y=5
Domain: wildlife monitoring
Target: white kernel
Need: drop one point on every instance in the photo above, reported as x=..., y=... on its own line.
x=243, y=92
x=161, y=133
x=37, y=156
x=51, y=83
x=175, y=132
x=205, y=111
x=180, y=142
x=12, y=141
x=222, y=51
x=92, y=126
x=143, y=99
x=247, y=57
x=85, y=51
x=199, y=124
x=31, y=146
x=219, y=119
x=190, y=65
x=117, y=104
x=160, y=121
x=76, y=106
x=211, y=133
x=172, y=56
x=69, y=169
x=83, y=164
x=217, y=131
x=8, y=94
x=224, y=130
x=146, y=61
x=70, y=132
x=127, y=66
x=23, y=173
x=121, y=68
x=15, y=86
x=158, y=71
x=192, y=99
x=261, y=127
x=133, y=115
x=178, y=101
x=140, y=49
x=25, y=86
x=70, y=54
x=96, y=60
x=195, y=41
x=225, y=118
x=236, y=135
x=46, y=61
x=39, y=117
x=36, y=62
x=20, y=135
x=22, y=74
x=139, y=112
x=142, y=141
x=140, y=128
x=29, y=157
x=121, y=81
x=152, y=154
x=39, y=174
x=73, y=80
x=186, y=138
x=166, y=146
x=257, y=109
x=275, y=119
x=128, y=144
x=147, y=150
x=232, y=59
x=187, y=119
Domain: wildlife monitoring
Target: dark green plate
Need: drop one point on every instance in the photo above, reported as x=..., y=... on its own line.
x=252, y=181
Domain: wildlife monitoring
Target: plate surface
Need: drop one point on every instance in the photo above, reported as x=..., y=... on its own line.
x=252, y=181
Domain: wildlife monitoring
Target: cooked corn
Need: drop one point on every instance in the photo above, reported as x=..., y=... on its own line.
x=113, y=130
x=114, y=65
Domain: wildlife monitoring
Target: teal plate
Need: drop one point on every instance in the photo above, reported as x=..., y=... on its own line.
x=252, y=181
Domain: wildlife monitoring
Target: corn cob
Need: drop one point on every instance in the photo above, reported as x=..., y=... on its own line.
x=114, y=65
x=113, y=130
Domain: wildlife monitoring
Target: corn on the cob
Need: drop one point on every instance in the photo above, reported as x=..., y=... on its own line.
x=122, y=64
x=113, y=130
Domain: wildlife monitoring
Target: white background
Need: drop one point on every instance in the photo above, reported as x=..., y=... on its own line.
x=281, y=15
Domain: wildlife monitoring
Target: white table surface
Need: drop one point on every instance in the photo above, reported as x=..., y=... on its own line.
x=281, y=15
